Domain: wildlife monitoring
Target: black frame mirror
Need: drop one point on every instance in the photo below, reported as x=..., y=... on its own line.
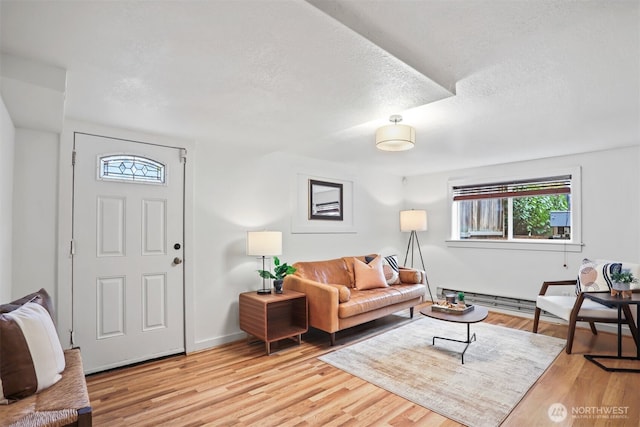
x=325, y=200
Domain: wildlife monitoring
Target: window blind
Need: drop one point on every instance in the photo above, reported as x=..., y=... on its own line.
x=520, y=188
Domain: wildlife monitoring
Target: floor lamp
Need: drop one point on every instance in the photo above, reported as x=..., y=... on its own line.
x=413, y=221
x=264, y=244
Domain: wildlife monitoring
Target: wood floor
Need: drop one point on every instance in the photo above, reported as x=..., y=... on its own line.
x=237, y=384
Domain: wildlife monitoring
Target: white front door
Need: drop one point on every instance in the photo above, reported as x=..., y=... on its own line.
x=128, y=220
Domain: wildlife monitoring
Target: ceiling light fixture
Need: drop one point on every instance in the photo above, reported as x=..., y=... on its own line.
x=395, y=137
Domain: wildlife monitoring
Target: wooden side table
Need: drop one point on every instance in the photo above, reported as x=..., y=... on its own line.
x=274, y=317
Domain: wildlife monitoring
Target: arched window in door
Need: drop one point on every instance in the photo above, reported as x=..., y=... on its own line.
x=130, y=168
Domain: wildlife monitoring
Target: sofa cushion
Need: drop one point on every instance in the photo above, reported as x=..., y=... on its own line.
x=369, y=276
x=595, y=276
x=373, y=299
x=31, y=357
x=330, y=271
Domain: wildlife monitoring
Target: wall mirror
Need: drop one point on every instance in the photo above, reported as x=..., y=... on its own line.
x=325, y=200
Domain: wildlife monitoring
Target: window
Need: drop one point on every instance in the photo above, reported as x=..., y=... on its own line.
x=540, y=209
x=124, y=167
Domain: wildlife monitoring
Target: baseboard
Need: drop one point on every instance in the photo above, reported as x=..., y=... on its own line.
x=215, y=342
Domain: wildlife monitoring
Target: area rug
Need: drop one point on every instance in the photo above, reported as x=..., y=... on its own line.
x=498, y=370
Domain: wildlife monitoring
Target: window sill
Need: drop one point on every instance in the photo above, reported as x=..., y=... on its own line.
x=539, y=245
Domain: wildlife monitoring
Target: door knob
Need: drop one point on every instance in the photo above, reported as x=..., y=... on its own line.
x=177, y=261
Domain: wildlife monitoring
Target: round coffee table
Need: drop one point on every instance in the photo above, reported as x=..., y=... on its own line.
x=478, y=314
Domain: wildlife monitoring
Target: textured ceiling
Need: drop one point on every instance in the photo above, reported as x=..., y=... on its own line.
x=482, y=82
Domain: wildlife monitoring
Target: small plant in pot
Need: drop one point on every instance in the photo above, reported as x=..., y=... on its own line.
x=279, y=273
x=622, y=281
x=461, y=298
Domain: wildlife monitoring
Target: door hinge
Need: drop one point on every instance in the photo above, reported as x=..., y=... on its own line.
x=183, y=155
x=73, y=158
x=72, y=247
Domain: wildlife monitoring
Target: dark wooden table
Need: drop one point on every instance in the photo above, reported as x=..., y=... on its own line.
x=618, y=301
x=478, y=314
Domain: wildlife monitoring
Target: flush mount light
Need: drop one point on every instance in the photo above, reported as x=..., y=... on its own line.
x=395, y=137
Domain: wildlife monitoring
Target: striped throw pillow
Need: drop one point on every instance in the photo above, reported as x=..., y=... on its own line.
x=31, y=357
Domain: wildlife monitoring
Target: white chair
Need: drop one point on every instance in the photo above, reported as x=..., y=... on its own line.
x=577, y=308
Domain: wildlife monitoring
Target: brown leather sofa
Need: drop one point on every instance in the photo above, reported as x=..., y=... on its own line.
x=335, y=303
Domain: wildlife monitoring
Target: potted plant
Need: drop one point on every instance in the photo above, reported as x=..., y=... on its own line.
x=461, y=298
x=279, y=273
x=622, y=281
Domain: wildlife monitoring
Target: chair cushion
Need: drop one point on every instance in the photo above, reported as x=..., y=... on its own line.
x=561, y=306
x=595, y=276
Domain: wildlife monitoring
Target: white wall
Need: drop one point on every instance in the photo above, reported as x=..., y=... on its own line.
x=237, y=191
x=610, y=226
x=35, y=209
x=7, y=144
x=240, y=191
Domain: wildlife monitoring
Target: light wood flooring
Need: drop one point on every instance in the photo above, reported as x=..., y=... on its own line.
x=237, y=384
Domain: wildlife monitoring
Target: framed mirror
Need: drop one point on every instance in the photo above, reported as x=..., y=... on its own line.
x=325, y=200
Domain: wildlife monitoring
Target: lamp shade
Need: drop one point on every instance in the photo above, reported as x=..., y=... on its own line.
x=413, y=220
x=395, y=137
x=264, y=243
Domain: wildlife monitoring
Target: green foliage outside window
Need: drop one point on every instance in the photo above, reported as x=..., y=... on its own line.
x=531, y=214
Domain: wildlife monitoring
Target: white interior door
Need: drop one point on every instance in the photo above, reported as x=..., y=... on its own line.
x=128, y=288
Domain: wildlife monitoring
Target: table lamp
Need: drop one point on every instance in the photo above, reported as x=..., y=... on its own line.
x=264, y=244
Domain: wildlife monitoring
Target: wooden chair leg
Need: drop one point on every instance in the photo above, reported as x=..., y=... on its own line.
x=592, y=325
x=536, y=320
x=570, y=334
x=332, y=337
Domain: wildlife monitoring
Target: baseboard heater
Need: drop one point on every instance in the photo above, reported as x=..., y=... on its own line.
x=516, y=305
x=495, y=301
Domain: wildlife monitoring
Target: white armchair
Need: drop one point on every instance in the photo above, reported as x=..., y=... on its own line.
x=592, y=277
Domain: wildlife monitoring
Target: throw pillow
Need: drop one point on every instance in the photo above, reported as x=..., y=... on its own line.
x=594, y=276
x=40, y=297
x=391, y=269
x=31, y=357
x=410, y=276
x=587, y=277
x=369, y=276
x=344, y=294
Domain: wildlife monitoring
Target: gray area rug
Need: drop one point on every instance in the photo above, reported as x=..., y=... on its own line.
x=499, y=367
